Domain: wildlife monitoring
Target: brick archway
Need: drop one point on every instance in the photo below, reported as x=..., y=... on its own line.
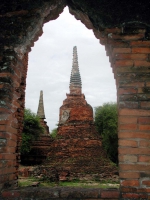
x=128, y=48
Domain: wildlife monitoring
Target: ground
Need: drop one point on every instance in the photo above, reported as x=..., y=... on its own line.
x=38, y=181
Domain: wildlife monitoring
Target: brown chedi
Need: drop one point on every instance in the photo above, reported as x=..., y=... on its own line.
x=39, y=147
x=77, y=151
x=41, y=114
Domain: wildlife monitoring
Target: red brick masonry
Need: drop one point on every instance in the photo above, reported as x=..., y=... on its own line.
x=61, y=193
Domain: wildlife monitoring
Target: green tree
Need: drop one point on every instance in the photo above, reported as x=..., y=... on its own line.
x=106, y=121
x=31, y=130
x=53, y=133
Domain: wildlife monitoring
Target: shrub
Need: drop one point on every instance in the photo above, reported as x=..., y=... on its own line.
x=106, y=121
x=31, y=130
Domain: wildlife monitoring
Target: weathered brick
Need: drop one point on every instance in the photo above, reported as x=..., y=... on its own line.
x=128, y=158
x=141, y=63
x=117, y=44
x=132, y=69
x=8, y=170
x=134, y=97
x=3, y=142
x=134, y=167
x=138, y=36
x=8, y=149
x=128, y=104
x=131, y=83
x=109, y=194
x=102, y=40
x=11, y=170
x=134, y=112
x=144, y=158
x=3, y=122
x=127, y=120
x=134, y=196
x=127, y=90
x=7, y=163
x=124, y=63
x=127, y=126
x=137, y=151
x=128, y=134
x=8, y=194
x=125, y=76
x=127, y=37
x=11, y=129
x=113, y=30
x=8, y=136
x=2, y=128
x=144, y=120
x=6, y=74
x=11, y=143
x=14, y=124
x=16, y=104
x=129, y=175
x=128, y=56
x=130, y=143
x=144, y=127
x=130, y=183
x=8, y=156
x=144, y=90
x=145, y=104
x=144, y=143
x=146, y=182
x=126, y=189
x=140, y=50
x=146, y=190
x=140, y=43
x=147, y=83
x=121, y=50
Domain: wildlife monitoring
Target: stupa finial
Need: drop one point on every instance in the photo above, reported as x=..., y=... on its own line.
x=75, y=79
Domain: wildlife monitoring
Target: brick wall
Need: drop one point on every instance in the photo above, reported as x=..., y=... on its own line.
x=12, y=92
x=128, y=50
x=39, y=151
x=61, y=193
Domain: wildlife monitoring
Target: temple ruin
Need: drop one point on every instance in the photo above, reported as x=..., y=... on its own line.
x=76, y=152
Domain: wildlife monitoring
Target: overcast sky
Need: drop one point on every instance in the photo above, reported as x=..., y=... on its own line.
x=50, y=63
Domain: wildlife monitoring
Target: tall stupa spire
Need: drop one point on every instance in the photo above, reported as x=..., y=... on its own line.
x=40, y=112
x=75, y=79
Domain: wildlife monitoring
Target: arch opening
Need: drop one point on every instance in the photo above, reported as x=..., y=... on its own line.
x=50, y=65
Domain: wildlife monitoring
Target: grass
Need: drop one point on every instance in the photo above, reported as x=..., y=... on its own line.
x=88, y=184
x=28, y=182
x=76, y=183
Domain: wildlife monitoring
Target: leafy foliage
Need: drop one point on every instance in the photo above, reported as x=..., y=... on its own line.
x=31, y=130
x=54, y=133
x=106, y=121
